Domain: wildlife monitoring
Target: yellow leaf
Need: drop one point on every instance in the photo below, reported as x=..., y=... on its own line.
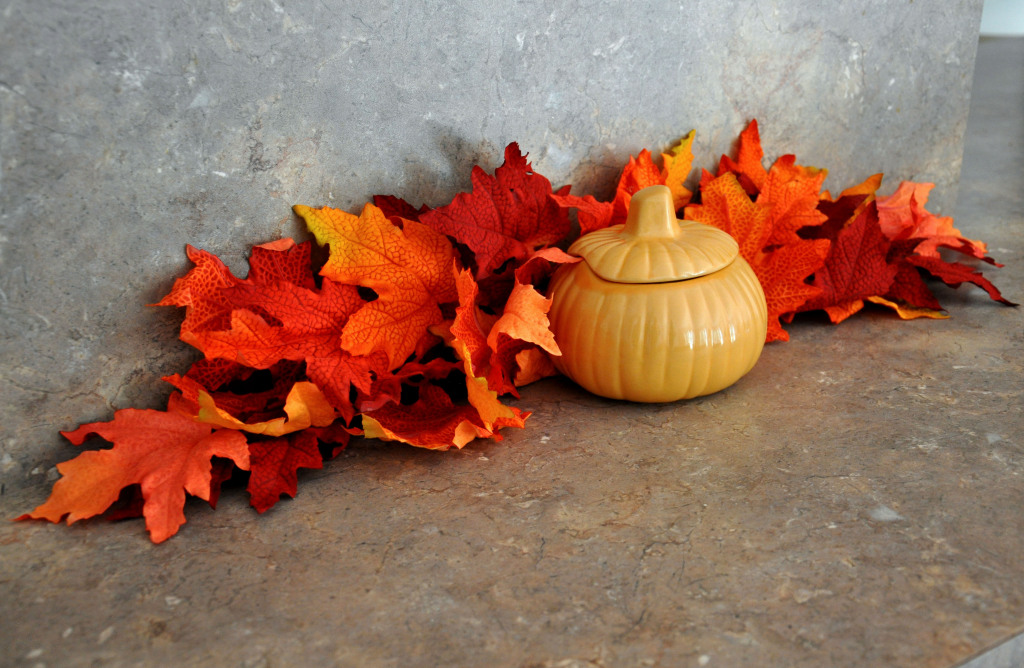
x=306, y=406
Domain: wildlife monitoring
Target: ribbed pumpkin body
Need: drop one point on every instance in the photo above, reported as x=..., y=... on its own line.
x=655, y=342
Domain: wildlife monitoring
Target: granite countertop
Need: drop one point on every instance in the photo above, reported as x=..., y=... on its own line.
x=854, y=501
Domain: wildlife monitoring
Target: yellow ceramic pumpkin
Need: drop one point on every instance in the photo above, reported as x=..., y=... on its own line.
x=659, y=309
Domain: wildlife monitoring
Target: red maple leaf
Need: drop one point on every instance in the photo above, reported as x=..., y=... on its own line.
x=856, y=268
x=506, y=216
x=397, y=209
x=167, y=453
x=205, y=290
x=954, y=274
x=274, y=464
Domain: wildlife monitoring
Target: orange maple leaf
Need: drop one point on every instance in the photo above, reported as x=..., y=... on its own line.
x=793, y=192
x=167, y=453
x=747, y=167
x=409, y=268
x=639, y=173
x=781, y=270
x=902, y=215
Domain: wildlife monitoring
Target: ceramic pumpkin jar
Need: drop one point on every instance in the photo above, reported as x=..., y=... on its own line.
x=659, y=309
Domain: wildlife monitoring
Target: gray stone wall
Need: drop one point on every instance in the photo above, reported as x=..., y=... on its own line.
x=128, y=129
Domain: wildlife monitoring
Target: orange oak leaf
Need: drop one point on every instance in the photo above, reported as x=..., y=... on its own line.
x=408, y=268
x=781, y=270
x=167, y=453
x=274, y=464
x=505, y=216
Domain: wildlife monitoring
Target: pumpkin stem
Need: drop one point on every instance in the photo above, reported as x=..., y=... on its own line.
x=652, y=214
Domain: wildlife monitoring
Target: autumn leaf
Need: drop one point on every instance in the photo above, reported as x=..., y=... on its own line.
x=907, y=311
x=639, y=173
x=387, y=387
x=433, y=422
x=506, y=216
x=748, y=168
x=167, y=453
x=206, y=290
x=305, y=407
x=856, y=268
x=467, y=339
x=396, y=208
x=793, y=192
x=274, y=464
x=902, y=215
x=676, y=166
x=251, y=395
x=408, y=268
x=298, y=324
x=525, y=318
x=466, y=326
x=533, y=364
x=780, y=270
x=591, y=213
x=954, y=274
x=494, y=344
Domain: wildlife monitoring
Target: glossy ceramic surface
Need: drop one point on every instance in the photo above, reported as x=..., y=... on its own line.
x=686, y=317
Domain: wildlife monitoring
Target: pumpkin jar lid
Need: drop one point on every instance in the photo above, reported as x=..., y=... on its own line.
x=653, y=246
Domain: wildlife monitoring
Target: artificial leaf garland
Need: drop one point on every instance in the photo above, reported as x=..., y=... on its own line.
x=422, y=319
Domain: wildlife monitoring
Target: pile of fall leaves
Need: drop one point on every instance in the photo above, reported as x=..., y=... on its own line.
x=421, y=319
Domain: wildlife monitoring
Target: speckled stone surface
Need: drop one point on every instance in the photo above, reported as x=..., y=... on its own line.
x=855, y=500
